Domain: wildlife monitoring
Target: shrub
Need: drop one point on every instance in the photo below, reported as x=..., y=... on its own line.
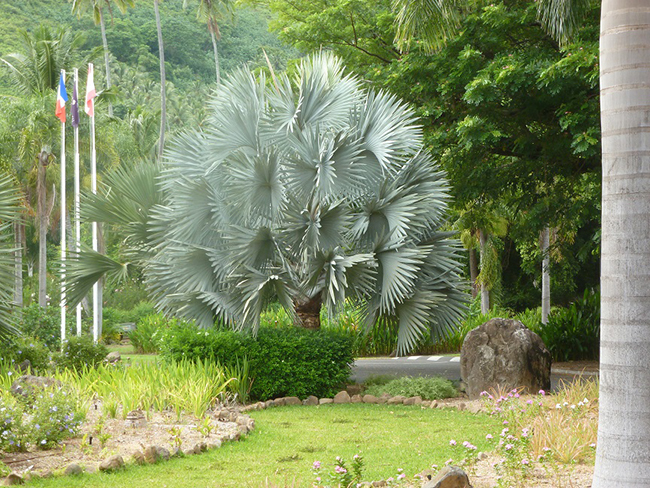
x=43, y=420
x=54, y=417
x=18, y=349
x=42, y=324
x=137, y=313
x=573, y=333
x=427, y=388
x=148, y=333
x=79, y=352
x=282, y=361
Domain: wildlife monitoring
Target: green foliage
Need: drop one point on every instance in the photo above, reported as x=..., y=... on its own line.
x=179, y=386
x=43, y=420
x=41, y=323
x=573, y=333
x=55, y=417
x=80, y=352
x=427, y=388
x=149, y=332
x=21, y=348
x=282, y=361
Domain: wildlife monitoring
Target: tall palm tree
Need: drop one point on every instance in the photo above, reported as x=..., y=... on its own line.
x=80, y=7
x=163, y=93
x=622, y=455
x=213, y=11
x=311, y=193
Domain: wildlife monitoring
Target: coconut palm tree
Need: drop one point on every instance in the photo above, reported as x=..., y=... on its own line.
x=212, y=12
x=163, y=93
x=80, y=7
x=622, y=455
x=311, y=193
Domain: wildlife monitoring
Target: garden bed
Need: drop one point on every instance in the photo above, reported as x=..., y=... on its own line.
x=101, y=437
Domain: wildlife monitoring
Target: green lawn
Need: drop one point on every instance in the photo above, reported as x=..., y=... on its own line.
x=287, y=440
x=129, y=354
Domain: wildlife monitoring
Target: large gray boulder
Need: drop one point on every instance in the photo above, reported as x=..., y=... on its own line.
x=504, y=354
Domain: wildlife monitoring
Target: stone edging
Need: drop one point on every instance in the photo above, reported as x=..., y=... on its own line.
x=153, y=454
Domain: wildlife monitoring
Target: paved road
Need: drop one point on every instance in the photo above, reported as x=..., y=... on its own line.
x=445, y=366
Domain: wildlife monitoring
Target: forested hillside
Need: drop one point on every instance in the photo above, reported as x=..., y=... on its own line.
x=133, y=43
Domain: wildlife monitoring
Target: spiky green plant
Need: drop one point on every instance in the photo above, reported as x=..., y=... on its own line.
x=307, y=191
x=8, y=213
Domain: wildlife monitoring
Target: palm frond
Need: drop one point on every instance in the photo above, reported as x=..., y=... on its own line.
x=430, y=22
x=561, y=18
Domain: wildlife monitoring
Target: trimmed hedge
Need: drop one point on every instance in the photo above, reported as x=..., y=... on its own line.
x=282, y=361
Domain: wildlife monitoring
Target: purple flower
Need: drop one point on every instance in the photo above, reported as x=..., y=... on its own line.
x=489, y=436
x=542, y=392
x=316, y=465
x=452, y=442
x=401, y=476
x=524, y=461
x=340, y=470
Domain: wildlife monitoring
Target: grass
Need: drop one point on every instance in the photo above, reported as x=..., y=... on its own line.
x=287, y=440
x=129, y=354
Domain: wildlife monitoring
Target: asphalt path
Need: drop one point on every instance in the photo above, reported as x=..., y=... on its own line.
x=444, y=366
x=427, y=366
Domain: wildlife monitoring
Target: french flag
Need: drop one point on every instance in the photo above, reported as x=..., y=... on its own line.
x=61, y=98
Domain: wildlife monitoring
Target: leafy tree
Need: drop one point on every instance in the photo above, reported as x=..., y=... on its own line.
x=623, y=427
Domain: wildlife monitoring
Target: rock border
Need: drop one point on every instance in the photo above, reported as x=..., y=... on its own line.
x=151, y=454
x=245, y=424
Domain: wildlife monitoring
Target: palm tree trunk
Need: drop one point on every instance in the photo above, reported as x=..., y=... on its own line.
x=546, y=276
x=18, y=259
x=216, y=56
x=623, y=452
x=485, y=293
x=41, y=191
x=163, y=98
x=473, y=271
x=106, y=56
x=308, y=312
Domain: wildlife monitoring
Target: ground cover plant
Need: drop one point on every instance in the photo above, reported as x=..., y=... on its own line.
x=426, y=388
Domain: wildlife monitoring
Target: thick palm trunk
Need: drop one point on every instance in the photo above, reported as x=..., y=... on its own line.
x=163, y=95
x=106, y=60
x=216, y=56
x=473, y=271
x=41, y=191
x=308, y=312
x=623, y=452
x=18, y=266
x=485, y=293
x=546, y=276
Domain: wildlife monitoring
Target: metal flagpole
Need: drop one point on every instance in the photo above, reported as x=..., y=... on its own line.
x=77, y=221
x=93, y=187
x=63, y=197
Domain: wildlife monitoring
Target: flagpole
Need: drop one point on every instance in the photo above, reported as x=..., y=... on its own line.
x=77, y=219
x=93, y=189
x=63, y=197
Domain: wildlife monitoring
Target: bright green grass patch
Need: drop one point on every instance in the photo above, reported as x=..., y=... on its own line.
x=129, y=353
x=287, y=440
